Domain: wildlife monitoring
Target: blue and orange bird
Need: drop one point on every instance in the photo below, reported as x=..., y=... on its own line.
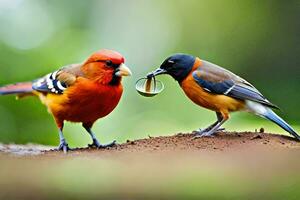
x=79, y=92
x=219, y=90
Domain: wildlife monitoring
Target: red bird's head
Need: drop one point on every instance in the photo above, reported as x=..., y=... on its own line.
x=106, y=67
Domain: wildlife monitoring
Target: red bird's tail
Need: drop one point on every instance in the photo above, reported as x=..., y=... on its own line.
x=18, y=88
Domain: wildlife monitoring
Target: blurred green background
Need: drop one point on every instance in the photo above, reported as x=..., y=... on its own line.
x=258, y=40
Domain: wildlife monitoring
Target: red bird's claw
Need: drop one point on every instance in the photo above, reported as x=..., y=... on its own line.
x=64, y=147
x=113, y=143
x=96, y=144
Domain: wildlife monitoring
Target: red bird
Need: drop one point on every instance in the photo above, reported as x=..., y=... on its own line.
x=79, y=92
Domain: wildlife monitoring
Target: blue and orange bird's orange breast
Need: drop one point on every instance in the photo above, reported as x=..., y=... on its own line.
x=206, y=99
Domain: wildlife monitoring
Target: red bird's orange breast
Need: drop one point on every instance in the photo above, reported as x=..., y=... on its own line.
x=86, y=101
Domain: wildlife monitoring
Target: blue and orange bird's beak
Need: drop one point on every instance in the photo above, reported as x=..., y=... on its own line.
x=156, y=72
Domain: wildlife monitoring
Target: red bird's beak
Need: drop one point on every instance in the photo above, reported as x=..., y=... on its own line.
x=123, y=70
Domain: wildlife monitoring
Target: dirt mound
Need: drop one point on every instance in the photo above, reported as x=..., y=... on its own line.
x=220, y=142
x=224, y=141
x=227, y=166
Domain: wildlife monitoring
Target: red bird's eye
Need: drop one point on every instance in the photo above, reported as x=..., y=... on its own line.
x=109, y=63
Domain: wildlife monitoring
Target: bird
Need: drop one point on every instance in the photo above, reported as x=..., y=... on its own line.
x=80, y=93
x=218, y=89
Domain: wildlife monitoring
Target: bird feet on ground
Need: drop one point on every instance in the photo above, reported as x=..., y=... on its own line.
x=96, y=144
x=206, y=133
x=200, y=131
x=63, y=146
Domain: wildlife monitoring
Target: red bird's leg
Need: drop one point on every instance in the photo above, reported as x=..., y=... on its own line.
x=63, y=145
x=209, y=131
x=96, y=143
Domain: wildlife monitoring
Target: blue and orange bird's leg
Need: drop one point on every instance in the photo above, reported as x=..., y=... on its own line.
x=215, y=127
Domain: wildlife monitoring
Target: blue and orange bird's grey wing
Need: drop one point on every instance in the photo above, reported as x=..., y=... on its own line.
x=58, y=81
x=218, y=80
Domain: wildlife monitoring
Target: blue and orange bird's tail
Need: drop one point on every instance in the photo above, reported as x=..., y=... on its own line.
x=272, y=116
x=269, y=114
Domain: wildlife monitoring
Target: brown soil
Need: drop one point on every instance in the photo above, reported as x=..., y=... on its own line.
x=227, y=166
x=221, y=142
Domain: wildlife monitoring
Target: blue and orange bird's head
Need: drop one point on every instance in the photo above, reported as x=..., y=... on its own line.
x=178, y=66
x=106, y=66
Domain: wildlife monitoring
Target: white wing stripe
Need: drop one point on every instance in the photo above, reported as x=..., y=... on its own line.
x=53, y=75
x=229, y=89
x=60, y=86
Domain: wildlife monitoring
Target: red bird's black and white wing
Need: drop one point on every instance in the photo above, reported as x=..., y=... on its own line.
x=57, y=82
